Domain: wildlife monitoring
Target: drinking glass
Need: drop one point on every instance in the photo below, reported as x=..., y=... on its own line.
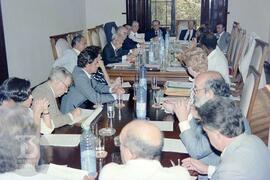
x=154, y=83
x=119, y=103
x=135, y=87
x=98, y=101
x=157, y=95
x=100, y=148
x=109, y=130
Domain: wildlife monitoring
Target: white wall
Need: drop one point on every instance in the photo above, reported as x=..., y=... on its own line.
x=27, y=27
x=253, y=15
x=102, y=11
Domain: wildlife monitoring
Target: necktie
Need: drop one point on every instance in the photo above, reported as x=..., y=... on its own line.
x=188, y=37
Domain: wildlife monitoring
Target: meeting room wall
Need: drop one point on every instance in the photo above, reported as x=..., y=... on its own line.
x=27, y=27
x=102, y=11
x=252, y=15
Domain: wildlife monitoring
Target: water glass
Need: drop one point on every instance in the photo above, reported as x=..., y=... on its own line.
x=100, y=148
x=120, y=103
x=154, y=83
x=110, y=110
x=98, y=101
x=135, y=87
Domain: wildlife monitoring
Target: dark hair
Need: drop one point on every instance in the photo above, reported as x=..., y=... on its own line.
x=220, y=23
x=88, y=55
x=156, y=21
x=3, y=95
x=223, y=115
x=218, y=86
x=76, y=39
x=17, y=89
x=209, y=40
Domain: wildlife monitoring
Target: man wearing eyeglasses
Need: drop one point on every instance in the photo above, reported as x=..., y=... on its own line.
x=207, y=86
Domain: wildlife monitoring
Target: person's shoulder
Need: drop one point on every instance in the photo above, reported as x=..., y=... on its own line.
x=109, y=170
x=40, y=88
x=175, y=172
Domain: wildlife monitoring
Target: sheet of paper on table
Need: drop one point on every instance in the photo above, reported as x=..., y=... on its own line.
x=175, y=69
x=126, y=85
x=163, y=125
x=91, y=117
x=66, y=172
x=174, y=145
x=157, y=66
x=119, y=65
x=63, y=140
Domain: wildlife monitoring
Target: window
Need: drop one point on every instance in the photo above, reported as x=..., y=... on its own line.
x=175, y=13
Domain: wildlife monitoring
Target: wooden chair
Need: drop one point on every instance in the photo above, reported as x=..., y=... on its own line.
x=62, y=42
x=102, y=36
x=93, y=37
x=234, y=35
x=249, y=92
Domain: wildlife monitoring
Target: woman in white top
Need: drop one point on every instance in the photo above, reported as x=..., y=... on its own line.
x=19, y=91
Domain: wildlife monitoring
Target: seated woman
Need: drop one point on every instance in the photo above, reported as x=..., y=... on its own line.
x=19, y=91
x=85, y=86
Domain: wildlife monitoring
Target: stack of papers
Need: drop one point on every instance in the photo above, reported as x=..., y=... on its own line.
x=119, y=65
x=91, y=117
x=174, y=88
x=175, y=69
x=177, y=84
x=63, y=140
x=174, y=145
x=66, y=172
x=163, y=125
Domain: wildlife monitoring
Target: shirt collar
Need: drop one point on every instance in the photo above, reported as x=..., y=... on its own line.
x=52, y=90
x=87, y=74
x=77, y=51
x=114, y=48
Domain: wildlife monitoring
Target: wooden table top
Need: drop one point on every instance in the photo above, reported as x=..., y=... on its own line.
x=70, y=156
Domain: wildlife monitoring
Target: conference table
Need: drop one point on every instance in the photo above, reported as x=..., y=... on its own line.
x=70, y=156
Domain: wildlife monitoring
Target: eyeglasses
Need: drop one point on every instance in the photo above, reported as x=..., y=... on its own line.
x=195, y=90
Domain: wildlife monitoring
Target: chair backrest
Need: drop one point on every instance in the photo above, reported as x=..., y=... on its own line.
x=62, y=42
x=240, y=50
x=249, y=92
x=259, y=55
x=110, y=29
x=102, y=36
x=93, y=37
x=61, y=45
x=234, y=34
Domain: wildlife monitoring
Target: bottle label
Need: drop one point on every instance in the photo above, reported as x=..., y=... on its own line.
x=141, y=110
x=88, y=161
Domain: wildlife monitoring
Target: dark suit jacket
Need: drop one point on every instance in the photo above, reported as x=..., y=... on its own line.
x=109, y=56
x=129, y=44
x=151, y=34
x=183, y=33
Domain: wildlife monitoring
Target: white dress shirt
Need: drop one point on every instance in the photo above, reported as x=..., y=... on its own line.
x=188, y=36
x=139, y=38
x=218, y=62
x=142, y=169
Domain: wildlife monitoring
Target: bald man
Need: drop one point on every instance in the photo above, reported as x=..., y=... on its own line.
x=207, y=86
x=141, y=145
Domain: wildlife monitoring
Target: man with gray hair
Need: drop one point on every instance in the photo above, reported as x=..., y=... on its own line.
x=58, y=84
x=70, y=56
x=242, y=156
x=113, y=52
x=141, y=143
x=208, y=85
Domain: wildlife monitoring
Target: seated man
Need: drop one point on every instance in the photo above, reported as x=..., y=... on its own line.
x=140, y=145
x=243, y=156
x=223, y=37
x=113, y=52
x=128, y=43
x=188, y=34
x=59, y=81
x=85, y=87
x=208, y=85
x=70, y=56
x=134, y=35
x=155, y=31
x=216, y=59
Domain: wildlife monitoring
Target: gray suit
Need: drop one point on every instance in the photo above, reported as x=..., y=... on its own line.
x=84, y=88
x=44, y=91
x=68, y=60
x=246, y=157
x=224, y=42
x=198, y=145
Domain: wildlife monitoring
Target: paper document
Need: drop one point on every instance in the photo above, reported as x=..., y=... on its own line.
x=126, y=85
x=175, y=69
x=85, y=113
x=119, y=65
x=92, y=116
x=178, y=84
x=163, y=125
x=66, y=172
x=64, y=140
x=174, y=145
x=157, y=66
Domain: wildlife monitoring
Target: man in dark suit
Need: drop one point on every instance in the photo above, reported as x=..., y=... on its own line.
x=188, y=34
x=155, y=31
x=113, y=52
x=128, y=43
